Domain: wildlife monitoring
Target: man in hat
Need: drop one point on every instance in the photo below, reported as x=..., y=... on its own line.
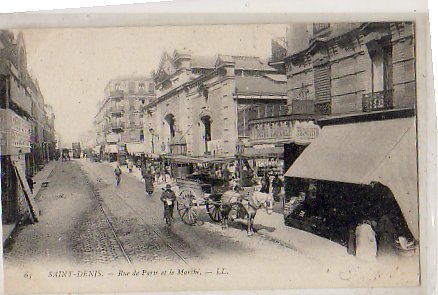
x=168, y=198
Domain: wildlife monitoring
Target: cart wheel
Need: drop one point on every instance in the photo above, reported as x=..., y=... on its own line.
x=214, y=210
x=185, y=208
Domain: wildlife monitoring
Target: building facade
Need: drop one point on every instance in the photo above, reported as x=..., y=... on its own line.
x=25, y=134
x=118, y=123
x=204, y=104
x=358, y=82
x=351, y=68
x=336, y=70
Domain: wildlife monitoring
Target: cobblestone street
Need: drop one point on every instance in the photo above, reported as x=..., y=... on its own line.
x=128, y=228
x=88, y=222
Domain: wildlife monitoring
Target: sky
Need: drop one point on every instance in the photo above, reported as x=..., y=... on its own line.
x=73, y=65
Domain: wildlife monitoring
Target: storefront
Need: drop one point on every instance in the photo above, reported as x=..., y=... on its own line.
x=137, y=149
x=112, y=150
x=355, y=168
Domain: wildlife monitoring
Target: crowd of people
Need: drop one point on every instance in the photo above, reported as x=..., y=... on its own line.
x=155, y=172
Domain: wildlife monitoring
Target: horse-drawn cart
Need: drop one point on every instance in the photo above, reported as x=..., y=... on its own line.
x=202, y=189
x=196, y=193
x=199, y=190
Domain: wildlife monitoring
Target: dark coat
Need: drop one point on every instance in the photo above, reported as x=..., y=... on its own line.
x=168, y=194
x=149, y=183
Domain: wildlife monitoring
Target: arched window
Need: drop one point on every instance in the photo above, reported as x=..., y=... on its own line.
x=170, y=119
x=206, y=121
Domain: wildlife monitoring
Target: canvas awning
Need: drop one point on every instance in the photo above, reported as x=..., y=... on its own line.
x=112, y=149
x=382, y=151
x=135, y=148
x=265, y=152
x=198, y=160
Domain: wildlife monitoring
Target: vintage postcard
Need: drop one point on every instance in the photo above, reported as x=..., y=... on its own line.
x=210, y=157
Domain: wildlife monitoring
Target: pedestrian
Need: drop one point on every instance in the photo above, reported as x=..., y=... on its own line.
x=118, y=173
x=163, y=172
x=148, y=180
x=168, y=198
x=152, y=169
x=226, y=176
x=277, y=184
x=265, y=184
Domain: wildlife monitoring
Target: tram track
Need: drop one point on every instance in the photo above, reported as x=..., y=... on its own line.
x=96, y=192
x=97, y=197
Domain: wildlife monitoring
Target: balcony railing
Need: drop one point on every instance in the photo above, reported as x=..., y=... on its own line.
x=268, y=111
x=271, y=130
x=376, y=101
x=277, y=129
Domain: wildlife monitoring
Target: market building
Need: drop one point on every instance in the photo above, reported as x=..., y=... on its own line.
x=204, y=104
x=118, y=122
x=359, y=79
x=26, y=131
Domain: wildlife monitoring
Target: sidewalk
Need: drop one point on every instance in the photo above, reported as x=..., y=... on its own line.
x=39, y=178
x=309, y=244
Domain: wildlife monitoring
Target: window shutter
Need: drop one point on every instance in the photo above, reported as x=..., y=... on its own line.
x=322, y=82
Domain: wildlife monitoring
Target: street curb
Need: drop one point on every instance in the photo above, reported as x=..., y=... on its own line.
x=265, y=234
x=37, y=191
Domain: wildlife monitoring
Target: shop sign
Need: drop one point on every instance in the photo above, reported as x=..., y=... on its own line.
x=15, y=133
x=306, y=131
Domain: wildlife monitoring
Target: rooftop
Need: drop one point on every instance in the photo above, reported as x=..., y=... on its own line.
x=259, y=85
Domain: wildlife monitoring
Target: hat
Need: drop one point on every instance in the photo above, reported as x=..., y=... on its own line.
x=168, y=186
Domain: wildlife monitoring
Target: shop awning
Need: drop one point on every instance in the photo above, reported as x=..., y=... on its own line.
x=136, y=148
x=382, y=151
x=113, y=149
x=265, y=152
x=198, y=160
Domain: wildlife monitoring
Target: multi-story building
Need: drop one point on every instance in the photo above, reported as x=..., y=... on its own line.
x=22, y=118
x=49, y=132
x=356, y=81
x=119, y=120
x=204, y=104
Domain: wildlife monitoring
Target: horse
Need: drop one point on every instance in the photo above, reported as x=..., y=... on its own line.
x=245, y=207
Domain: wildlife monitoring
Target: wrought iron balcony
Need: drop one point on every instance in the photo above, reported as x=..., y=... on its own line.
x=282, y=129
x=268, y=111
x=376, y=101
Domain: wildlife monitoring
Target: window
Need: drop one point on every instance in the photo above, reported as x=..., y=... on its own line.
x=151, y=88
x=321, y=74
x=381, y=61
x=141, y=87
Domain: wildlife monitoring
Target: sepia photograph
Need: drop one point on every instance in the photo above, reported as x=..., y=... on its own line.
x=209, y=157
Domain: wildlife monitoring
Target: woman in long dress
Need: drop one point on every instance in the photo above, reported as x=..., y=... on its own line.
x=149, y=183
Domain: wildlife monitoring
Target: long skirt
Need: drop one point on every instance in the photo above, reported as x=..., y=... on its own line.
x=149, y=185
